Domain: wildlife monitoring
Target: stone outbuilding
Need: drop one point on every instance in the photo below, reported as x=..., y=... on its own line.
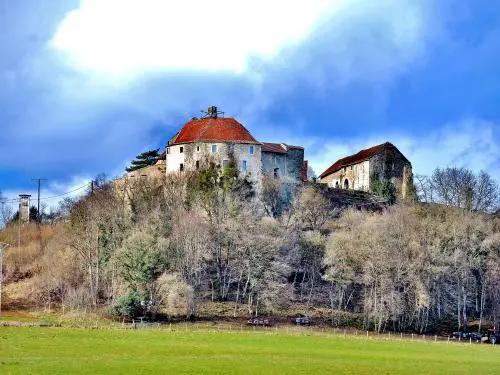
x=224, y=140
x=284, y=161
x=383, y=163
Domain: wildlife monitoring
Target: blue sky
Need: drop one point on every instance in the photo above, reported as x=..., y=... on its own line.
x=86, y=85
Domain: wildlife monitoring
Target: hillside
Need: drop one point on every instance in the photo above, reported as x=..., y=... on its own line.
x=208, y=248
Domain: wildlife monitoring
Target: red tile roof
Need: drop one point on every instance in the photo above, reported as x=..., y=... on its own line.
x=357, y=158
x=218, y=129
x=279, y=148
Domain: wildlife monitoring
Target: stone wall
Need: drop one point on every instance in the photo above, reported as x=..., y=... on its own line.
x=24, y=208
x=199, y=155
x=390, y=165
x=288, y=166
x=153, y=171
x=356, y=175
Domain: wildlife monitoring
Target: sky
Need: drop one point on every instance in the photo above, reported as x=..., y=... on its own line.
x=87, y=85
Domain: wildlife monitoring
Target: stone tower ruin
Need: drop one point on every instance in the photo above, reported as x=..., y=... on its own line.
x=24, y=208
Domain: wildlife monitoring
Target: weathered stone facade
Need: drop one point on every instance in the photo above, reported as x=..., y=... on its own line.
x=283, y=161
x=156, y=171
x=354, y=177
x=24, y=208
x=383, y=163
x=199, y=155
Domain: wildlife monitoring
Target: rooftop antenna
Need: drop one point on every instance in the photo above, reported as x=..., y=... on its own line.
x=212, y=112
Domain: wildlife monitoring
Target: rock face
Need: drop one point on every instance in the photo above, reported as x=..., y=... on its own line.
x=383, y=163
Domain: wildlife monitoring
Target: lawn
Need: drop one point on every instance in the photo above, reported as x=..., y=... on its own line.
x=87, y=351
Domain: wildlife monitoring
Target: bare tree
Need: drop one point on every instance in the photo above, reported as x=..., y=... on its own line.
x=460, y=187
x=311, y=209
x=6, y=211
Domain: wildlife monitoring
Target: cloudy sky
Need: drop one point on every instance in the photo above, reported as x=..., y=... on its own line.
x=86, y=85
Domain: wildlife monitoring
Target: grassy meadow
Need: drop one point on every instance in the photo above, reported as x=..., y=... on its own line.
x=90, y=351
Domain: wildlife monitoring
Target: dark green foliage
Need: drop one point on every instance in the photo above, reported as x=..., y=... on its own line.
x=221, y=191
x=384, y=189
x=141, y=261
x=128, y=306
x=144, y=160
x=33, y=214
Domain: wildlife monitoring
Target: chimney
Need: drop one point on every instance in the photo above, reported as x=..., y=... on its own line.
x=24, y=208
x=212, y=111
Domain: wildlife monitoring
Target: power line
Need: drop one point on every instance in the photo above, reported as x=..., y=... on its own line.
x=68, y=192
x=16, y=200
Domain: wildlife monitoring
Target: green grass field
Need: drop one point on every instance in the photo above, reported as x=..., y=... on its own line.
x=87, y=351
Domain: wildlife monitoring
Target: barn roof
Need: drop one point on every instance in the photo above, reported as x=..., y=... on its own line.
x=357, y=158
x=213, y=129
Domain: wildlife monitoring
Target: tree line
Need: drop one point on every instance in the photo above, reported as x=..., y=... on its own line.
x=151, y=247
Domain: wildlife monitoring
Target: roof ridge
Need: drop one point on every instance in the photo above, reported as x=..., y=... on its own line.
x=357, y=157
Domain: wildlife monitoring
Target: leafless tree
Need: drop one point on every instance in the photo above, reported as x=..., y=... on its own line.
x=6, y=211
x=461, y=188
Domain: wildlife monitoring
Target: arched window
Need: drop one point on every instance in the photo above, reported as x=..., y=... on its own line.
x=336, y=185
x=346, y=184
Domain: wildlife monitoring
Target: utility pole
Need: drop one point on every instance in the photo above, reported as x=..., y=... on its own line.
x=39, y=180
x=3, y=246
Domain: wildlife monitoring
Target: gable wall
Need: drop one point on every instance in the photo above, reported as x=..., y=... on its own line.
x=290, y=164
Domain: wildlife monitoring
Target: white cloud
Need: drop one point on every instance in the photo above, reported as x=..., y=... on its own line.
x=473, y=144
x=124, y=37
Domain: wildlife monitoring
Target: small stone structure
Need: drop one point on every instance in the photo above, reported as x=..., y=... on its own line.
x=383, y=163
x=156, y=171
x=24, y=208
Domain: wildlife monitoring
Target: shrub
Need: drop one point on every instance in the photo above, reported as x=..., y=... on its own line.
x=128, y=306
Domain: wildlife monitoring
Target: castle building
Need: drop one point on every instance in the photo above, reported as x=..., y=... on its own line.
x=223, y=140
x=383, y=163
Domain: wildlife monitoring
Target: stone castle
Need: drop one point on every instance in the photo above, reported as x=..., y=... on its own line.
x=223, y=140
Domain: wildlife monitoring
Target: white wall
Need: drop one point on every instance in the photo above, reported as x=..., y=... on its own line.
x=238, y=151
x=175, y=158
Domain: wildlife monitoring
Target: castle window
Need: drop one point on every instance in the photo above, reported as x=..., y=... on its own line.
x=251, y=149
x=181, y=149
x=351, y=167
x=214, y=148
x=197, y=148
x=168, y=150
x=244, y=166
x=181, y=167
x=197, y=164
x=225, y=164
x=276, y=172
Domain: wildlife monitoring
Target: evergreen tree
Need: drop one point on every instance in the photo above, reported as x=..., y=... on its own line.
x=144, y=160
